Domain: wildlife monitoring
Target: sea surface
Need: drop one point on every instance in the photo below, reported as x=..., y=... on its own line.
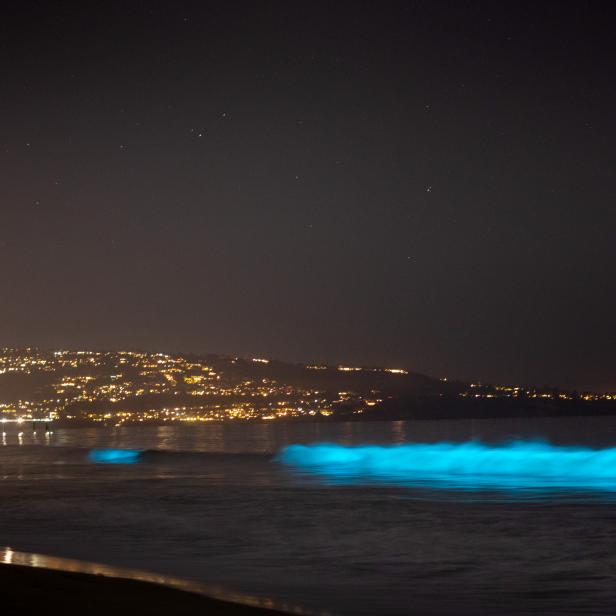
x=218, y=504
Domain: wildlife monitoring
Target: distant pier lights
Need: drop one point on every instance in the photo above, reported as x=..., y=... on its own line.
x=21, y=420
x=38, y=423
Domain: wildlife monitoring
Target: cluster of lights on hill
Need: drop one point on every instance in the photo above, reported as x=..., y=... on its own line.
x=477, y=390
x=133, y=387
x=128, y=387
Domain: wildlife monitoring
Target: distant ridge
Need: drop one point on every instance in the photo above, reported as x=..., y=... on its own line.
x=127, y=387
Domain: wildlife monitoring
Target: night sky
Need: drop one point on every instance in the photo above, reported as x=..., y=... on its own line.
x=428, y=185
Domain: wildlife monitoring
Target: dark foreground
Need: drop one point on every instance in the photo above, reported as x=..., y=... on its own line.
x=67, y=593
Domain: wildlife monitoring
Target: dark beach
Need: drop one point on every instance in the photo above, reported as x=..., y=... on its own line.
x=34, y=589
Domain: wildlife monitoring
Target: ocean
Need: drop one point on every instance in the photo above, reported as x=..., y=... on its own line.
x=221, y=504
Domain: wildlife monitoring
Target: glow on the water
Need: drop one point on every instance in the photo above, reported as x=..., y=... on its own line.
x=115, y=456
x=519, y=464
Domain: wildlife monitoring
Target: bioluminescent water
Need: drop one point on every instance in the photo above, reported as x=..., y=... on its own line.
x=115, y=456
x=209, y=503
x=469, y=465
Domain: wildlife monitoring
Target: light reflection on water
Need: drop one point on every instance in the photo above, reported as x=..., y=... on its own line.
x=271, y=436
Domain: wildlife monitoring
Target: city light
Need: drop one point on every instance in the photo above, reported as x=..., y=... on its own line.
x=124, y=387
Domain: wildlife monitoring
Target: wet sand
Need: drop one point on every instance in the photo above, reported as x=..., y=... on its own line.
x=37, y=590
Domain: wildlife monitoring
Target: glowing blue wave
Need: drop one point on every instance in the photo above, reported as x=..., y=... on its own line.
x=114, y=456
x=519, y=464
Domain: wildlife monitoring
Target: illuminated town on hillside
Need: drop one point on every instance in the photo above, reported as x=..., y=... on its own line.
x=129, y=387
x=126, y=387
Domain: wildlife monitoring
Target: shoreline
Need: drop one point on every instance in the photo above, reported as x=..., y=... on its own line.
x=365, y=419
x=36, y=581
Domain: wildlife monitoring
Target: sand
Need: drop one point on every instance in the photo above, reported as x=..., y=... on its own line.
x=34, y=590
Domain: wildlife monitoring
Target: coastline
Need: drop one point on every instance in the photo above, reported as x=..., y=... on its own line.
x=34, y=581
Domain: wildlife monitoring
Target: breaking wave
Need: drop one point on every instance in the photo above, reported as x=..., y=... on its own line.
x=519, y=464
x=115, y=456
x=198, y=458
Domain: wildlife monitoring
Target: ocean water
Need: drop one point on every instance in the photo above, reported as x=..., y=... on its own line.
x=229, y=505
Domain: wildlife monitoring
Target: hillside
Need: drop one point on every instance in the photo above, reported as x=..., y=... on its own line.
x=124, y=387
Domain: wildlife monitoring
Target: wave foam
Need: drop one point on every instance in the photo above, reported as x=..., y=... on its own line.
x=470, y=464
x=115, y=456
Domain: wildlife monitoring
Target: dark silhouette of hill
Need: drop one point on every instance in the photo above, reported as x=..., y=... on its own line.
x=139, y=386
x=330, y=378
